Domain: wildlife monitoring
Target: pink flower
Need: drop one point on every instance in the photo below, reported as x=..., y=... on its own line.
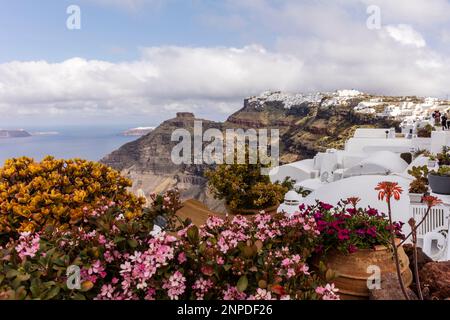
x=202, y=286
x=220, y=261
x=97, y=268
x=328, y=292
x=286, y=262
x=182, y=257
x=305, y=269
x=28, y=245
x=232, y=293
x=261, y=294
x=150, y=294
x=107, y=291
x=214, y=222
x=175, y=286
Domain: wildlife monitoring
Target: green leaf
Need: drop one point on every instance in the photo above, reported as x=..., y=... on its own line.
x=35, y=287
x=11, y=273
x=52, y=293
x=21, y=293
x=322, y=267
x=132, y=243
x=78, y=296
x=119, y=239
x=192, y=234
x=23, y=277
x=248, y=251
x=242, y=284
x=227, y=267
x=330, y=275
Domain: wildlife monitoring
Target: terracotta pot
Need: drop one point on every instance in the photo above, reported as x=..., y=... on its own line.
x=352, y=269
x=252, y=212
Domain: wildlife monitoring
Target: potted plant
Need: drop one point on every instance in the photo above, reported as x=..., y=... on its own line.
x=426, y=131
x=440, y=180
x=444, y=157
x=244, y=189
x=419, y=186
x=352, y=240
x=432, y=161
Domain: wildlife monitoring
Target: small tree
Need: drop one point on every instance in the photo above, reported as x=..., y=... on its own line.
x=242, y=186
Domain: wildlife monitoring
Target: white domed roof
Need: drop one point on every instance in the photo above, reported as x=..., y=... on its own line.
x=381, y=162
x=292, y=196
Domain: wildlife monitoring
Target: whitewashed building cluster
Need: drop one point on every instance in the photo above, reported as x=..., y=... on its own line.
x=369, y=157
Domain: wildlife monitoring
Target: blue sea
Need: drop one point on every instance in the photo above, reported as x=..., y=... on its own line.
x=86, y=142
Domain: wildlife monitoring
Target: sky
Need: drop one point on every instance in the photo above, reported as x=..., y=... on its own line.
x=141, y=61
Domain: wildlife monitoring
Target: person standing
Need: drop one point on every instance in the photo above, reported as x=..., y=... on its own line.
x=444, y=121
x=437, y=118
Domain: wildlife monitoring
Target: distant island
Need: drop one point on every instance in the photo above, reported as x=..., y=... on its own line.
x=20, y=133
x=45, y=133
x=138, y=132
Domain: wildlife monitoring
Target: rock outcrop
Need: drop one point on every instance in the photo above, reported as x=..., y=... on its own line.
x=435, y=280
x=148, y=163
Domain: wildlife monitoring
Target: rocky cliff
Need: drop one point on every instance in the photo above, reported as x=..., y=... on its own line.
x=14, y=133
x=307, y=124
x=147, y=161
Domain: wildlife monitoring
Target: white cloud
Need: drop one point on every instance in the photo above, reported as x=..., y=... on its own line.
x=209, y=80
x=317, y=45
x=405, y=34
x=419, y=12
x=131, y=5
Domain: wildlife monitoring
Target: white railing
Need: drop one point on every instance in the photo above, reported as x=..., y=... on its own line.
x=436, y=219
x=434, y=233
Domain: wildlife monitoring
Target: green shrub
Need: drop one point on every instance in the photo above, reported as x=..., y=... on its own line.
x=242, y=186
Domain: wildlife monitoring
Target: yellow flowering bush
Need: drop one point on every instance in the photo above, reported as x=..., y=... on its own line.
x=58, y=193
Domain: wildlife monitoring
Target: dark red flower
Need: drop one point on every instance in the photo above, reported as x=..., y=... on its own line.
x=322, y=225
x=343, y=234
x=352, y=248
x=319, y=249
x=326, y=206
x=372, y=231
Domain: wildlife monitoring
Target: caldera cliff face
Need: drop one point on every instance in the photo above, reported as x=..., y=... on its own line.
x=307, y=124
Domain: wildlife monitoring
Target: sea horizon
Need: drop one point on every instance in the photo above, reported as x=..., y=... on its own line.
x=90, y=142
